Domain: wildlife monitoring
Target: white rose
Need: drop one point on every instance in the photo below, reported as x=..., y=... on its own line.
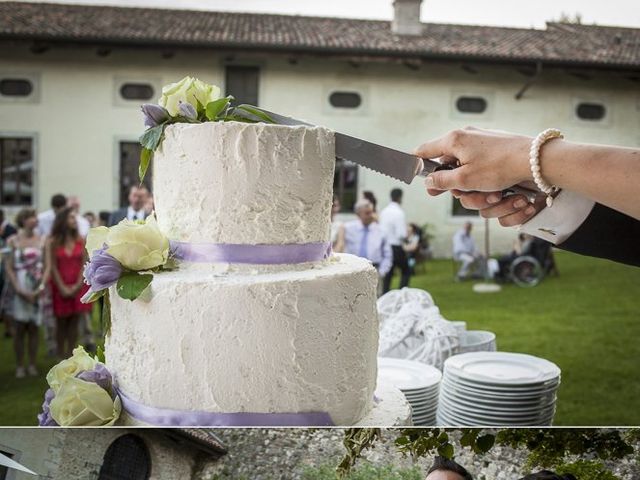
x=138, y=246
x=80, y=403
x=188, y=90
x=79, y=362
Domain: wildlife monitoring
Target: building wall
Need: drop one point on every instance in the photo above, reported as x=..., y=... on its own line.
x=78, y=119
x=77, y=454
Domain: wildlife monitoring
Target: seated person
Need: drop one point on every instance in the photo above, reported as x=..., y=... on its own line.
x=474, y=264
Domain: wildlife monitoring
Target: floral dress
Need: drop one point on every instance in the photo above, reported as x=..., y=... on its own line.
x=28, y=267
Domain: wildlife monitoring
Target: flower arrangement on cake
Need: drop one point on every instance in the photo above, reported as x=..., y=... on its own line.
x=81, y=393
x=189, y=101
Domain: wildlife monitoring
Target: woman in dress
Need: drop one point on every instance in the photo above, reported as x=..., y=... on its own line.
x=66, y=256
x=24, y=268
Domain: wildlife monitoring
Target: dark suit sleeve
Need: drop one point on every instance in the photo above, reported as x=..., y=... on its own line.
x=607, y=233
x=117, y=216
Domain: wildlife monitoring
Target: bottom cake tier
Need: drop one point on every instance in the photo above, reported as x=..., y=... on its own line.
x=286, y=342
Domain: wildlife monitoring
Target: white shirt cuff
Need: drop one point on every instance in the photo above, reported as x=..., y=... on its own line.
x=557, y=223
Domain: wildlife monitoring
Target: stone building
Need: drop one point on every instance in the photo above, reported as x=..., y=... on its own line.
x=72, y=78
x=110, y=454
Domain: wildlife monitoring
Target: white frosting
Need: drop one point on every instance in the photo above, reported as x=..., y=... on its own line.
x=287, y=341
x=230, y=182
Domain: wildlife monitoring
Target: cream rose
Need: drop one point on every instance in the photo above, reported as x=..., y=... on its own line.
x=137, y=246
x=69, y=368
x=80, y=403
x=188, y=90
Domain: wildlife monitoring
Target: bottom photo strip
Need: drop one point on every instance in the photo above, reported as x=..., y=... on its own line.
x=319, y=454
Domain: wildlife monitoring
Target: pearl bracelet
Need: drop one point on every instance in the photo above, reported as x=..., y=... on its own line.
x=534, y=161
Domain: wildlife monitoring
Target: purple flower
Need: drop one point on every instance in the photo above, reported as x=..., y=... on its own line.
x=102, y=270
x=187, y=110
x=154, y=115
x=44, y=418
x=99, y=375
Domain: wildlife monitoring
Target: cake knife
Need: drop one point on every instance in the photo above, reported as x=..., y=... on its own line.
x=393, y=163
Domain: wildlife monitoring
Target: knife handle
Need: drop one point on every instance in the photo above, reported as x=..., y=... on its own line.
x=507, y=192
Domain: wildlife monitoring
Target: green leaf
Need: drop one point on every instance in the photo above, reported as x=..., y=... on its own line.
x=145, y=159
x=106, y=313
x=216, y=107
x=446, y=451
x=256, y=112
x=237, y=118
x=131, y=285
x=485, y=442
x=151, y=137
x=100, y=354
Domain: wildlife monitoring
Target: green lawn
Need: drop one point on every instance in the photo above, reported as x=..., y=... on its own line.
x=587, y=321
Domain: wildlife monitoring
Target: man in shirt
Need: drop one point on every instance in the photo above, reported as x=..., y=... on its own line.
x=394, y=224
x=46, y=218
x=364, y=238
x=136, y=209
x=464, y=251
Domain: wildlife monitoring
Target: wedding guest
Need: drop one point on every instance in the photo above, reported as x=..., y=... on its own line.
x=596, y=209
x=445, y=469
x=465, y=251
x=368, y=195
x=66, y=256
x=84, y=225
x=412, y=244
x=548, y=475
x=364, y=237
x=46, y=218
x=394, y=225
x=337, y=240
x=138, y=197
x=91, y=218
x=103, y=218
x=26, y=274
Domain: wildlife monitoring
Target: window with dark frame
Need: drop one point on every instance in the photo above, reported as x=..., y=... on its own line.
x=345, y=99
x=127, y=458
x=468, y=104
x=591, y=111
x=243, y=83
x=345, y=184
x=129, y=161
x=16, y=171
x=136, y=91
x=16, y=87
x=459, y=211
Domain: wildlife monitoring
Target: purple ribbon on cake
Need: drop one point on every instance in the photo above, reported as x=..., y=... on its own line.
x=167, y=417
x=265, y=254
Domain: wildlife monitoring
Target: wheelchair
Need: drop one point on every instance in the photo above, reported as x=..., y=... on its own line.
x=529, y=268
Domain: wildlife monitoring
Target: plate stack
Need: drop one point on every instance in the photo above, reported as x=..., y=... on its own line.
x=418, y=381
x=498, y=388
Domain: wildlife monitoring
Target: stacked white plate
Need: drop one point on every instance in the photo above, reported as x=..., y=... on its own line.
x=418, y=381
x=477, y=341
x=497, y=389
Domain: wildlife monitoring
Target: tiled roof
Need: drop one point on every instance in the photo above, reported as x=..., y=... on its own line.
x=204, y=438
x=607, y=47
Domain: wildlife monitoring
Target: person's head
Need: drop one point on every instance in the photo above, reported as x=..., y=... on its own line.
x=336, y=206
x=73, y=202
x=91, y=218
x=412, y=229
x=372, y=199
x=364, y=211
x=149, y=205
x=64, y=226
x=396, y=195
x=468, y=226
x=27, y=219
x=103, y=218
x=548, y=475
x=445, y=469
x=138, y=197
x=58, y=202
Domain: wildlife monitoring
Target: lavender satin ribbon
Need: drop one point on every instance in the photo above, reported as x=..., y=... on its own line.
x=167, y=417
x=255, y=254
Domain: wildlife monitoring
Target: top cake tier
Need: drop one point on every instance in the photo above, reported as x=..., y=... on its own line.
x=244, y=183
